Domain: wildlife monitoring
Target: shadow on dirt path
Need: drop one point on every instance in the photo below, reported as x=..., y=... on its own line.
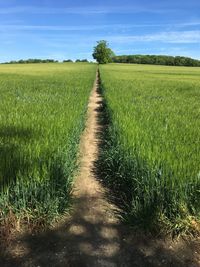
x=93, y=235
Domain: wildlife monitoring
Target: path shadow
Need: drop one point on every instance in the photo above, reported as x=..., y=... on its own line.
x=17, y=132
x=12, y=158
x=113, y=195
x=83, y=242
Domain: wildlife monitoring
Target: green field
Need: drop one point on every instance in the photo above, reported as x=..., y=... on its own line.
x=152, y=149
x=42, y=113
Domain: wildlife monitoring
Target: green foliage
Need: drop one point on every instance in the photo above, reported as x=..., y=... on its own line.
x=102, y=53
x=67, y=60
x=42, y=115
x=157, y=60
x=151, y=154
x=32, y=60
x=81, y=60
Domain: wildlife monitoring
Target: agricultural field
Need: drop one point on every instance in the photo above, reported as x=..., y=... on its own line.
x=151, y=155
x=42, y=114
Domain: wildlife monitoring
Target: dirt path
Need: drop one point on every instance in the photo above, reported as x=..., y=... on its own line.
x=94, y=236
x=94, y=221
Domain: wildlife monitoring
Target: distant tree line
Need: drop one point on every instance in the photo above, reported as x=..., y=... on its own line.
x=77, y=60
x=81, y=60
x=157, y=60
x=36, y=60
x=31, y=60
x=67, y=60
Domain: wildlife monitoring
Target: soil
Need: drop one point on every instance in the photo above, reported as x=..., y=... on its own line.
x=94, y=235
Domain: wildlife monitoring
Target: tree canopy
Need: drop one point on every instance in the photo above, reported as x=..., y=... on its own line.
x=102, y=53
x=157, y=60
x=31, y=60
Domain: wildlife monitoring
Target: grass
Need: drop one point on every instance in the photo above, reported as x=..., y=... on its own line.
x=151, y=153
x=42, y=111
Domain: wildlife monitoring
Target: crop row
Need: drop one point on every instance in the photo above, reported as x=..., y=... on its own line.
x=42, y=113
x=151, y=152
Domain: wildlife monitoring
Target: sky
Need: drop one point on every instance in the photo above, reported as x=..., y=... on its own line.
x=69, y=29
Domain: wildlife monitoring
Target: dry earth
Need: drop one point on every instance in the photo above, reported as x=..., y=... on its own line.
x=93, y=236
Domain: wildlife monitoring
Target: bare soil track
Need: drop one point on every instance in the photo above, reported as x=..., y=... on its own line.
x=93, y=236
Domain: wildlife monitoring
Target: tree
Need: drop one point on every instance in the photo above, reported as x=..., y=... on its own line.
x=67, y=60
x=102, y=53
x=157, y=60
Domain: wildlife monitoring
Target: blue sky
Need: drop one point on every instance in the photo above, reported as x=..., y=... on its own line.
x=69, y=29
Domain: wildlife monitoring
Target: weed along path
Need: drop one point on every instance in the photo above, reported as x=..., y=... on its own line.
x=93, y=236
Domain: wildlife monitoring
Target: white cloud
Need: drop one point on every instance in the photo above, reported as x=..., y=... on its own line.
x=83, y=10
x=47, y=10
x=9, y=26
x=114, y=27
x=165, y=37
x=48, y=27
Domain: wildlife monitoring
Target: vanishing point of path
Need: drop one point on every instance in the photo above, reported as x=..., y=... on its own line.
x=93, y=236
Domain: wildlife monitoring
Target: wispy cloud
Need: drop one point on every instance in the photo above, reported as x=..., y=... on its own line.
x=19, y=27
x=5, y=27
x=52, y=27
x=72, y=33
x=165, y=37
x=47, y=10
x=190, y=23
x=16, y=26
x=83, y=10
